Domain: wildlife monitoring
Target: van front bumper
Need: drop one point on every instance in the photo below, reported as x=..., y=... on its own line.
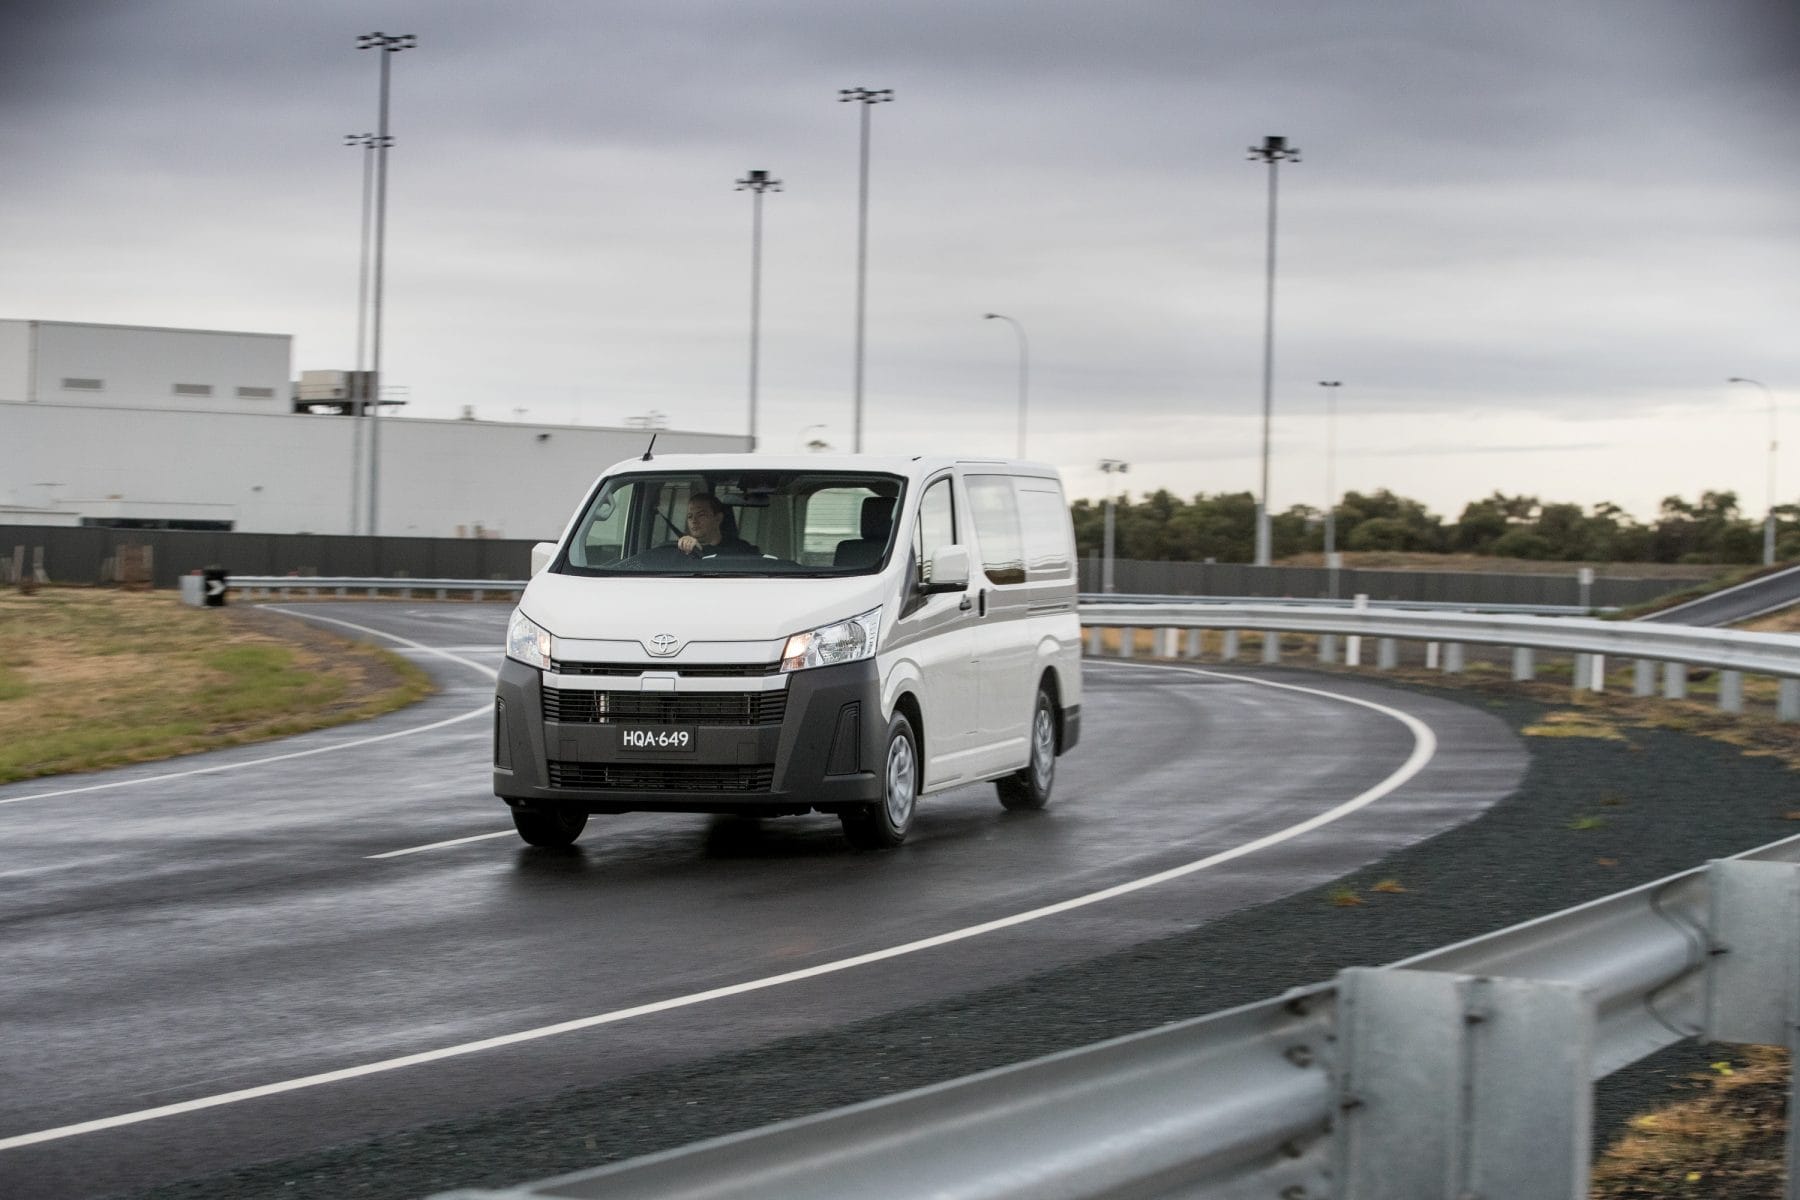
x=820, y=753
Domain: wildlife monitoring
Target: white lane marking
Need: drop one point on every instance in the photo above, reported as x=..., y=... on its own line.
x=1424, y=746
x=484, y=710
x=220, y=768
x=478, y=837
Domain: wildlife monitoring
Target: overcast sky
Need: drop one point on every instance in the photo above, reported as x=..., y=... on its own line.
x=1531, y=238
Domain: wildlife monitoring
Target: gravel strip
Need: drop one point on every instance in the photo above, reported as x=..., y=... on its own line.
x=1593, y=817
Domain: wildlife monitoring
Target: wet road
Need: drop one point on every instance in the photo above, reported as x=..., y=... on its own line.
x=223, y=959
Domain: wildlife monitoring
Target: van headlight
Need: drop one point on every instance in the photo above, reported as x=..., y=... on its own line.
x=828, y=645
x=527, y=641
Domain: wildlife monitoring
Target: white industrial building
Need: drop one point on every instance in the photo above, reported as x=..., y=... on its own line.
x=133, y=426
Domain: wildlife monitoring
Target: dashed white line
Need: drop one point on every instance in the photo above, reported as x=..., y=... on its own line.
x=478, y=837
x=1424, y=747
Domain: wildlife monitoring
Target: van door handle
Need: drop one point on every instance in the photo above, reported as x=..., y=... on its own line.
x=966, y=604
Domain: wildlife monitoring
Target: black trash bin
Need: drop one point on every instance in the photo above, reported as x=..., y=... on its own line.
x=216, y=584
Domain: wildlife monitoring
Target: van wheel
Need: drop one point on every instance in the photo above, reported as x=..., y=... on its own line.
x=552, y=827
x=883, y=826
x=1030, y=788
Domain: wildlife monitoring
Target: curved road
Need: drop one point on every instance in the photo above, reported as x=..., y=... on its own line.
x=251, y=953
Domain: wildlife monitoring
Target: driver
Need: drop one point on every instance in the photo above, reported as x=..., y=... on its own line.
x=712, y=529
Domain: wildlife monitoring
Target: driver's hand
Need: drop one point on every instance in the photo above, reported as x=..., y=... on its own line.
x=688, y=543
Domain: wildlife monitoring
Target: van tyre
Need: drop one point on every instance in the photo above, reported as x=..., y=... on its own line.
x=883, y=825
x=1030, y=788
x=549, y=827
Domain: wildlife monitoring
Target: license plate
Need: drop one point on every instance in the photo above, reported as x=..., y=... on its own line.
x=660, y=738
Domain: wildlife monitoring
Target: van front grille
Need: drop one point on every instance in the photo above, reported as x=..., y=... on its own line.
x=690, y=670
x=661, y=777
x=575, y=707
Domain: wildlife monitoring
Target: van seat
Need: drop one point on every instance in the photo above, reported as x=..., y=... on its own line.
x=877, y=523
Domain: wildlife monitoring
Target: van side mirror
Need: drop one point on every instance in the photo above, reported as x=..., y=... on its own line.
x=541, y=554
x=949, y=571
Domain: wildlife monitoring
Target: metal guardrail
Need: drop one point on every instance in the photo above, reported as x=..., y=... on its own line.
x=1542, y=610
x=1675, y=648
x=1464, y=1072
x=344, y=585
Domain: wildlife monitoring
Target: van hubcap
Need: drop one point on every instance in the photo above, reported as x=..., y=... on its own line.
x=1043, y=749
x=901, y=782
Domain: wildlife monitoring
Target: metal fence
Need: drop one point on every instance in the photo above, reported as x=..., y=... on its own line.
x=1453, y=587
x=83, y=555
x=1464, y=1072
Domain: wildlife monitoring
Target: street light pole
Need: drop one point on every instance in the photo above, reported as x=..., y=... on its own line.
x=1331, y=386
x=388, y=45
x=358, y=393
x=1109, y=465
x=868, y=98
x=1024, y=369
x=1769, y=521
x=756, y=183
x=1273, y=151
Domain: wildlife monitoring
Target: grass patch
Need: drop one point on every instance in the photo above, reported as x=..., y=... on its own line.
x=1727, y=1140
x=1567, y=723
x=1583, y=824
x=137, y=676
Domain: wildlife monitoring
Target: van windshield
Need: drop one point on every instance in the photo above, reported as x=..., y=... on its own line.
x=736, y=522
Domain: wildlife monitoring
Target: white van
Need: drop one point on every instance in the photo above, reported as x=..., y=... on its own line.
x=760, y=635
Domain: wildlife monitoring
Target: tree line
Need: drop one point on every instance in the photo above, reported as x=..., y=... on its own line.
x=1162, y=527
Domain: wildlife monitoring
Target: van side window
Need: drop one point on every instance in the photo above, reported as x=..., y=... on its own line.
x=603, y=540
x=996, y=513
x=937, y=525
x=1049, y=546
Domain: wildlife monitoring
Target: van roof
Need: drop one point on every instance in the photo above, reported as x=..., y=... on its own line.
x=911, y=467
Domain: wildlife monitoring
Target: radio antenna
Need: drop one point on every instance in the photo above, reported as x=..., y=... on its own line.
x=649, y=448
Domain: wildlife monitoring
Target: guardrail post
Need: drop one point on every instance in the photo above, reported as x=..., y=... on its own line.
x=1453, y=1085
x=1171, y=642
x=1271, y=646
x=1787, y=708
x=1643, y=678
x=1752, y=976
x=1675, y=681
x=1127, y=641
x=1524, y=667
x=1453, y=658
x=1579, y=673
x=1095, y=645
x=1228, y=646
x=1731, y=691
x=1353, y=643
x=1387, y=654
x=1431, y=656
x=1328, y=647
x=1597, y=673
x=479, y=593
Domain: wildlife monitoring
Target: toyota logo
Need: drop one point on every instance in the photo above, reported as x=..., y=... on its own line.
x=663, y=644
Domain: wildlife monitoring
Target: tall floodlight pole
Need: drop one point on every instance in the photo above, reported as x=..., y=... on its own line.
x=1331, y=386
x=1024, y=369
x=756, y=183
x=358, y=395
x=1274, y=151
x=868, y=98
x=1110, y=466
x=388, y=45
x=1769, y=521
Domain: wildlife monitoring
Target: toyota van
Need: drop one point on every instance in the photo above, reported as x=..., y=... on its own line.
x=767, y=636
